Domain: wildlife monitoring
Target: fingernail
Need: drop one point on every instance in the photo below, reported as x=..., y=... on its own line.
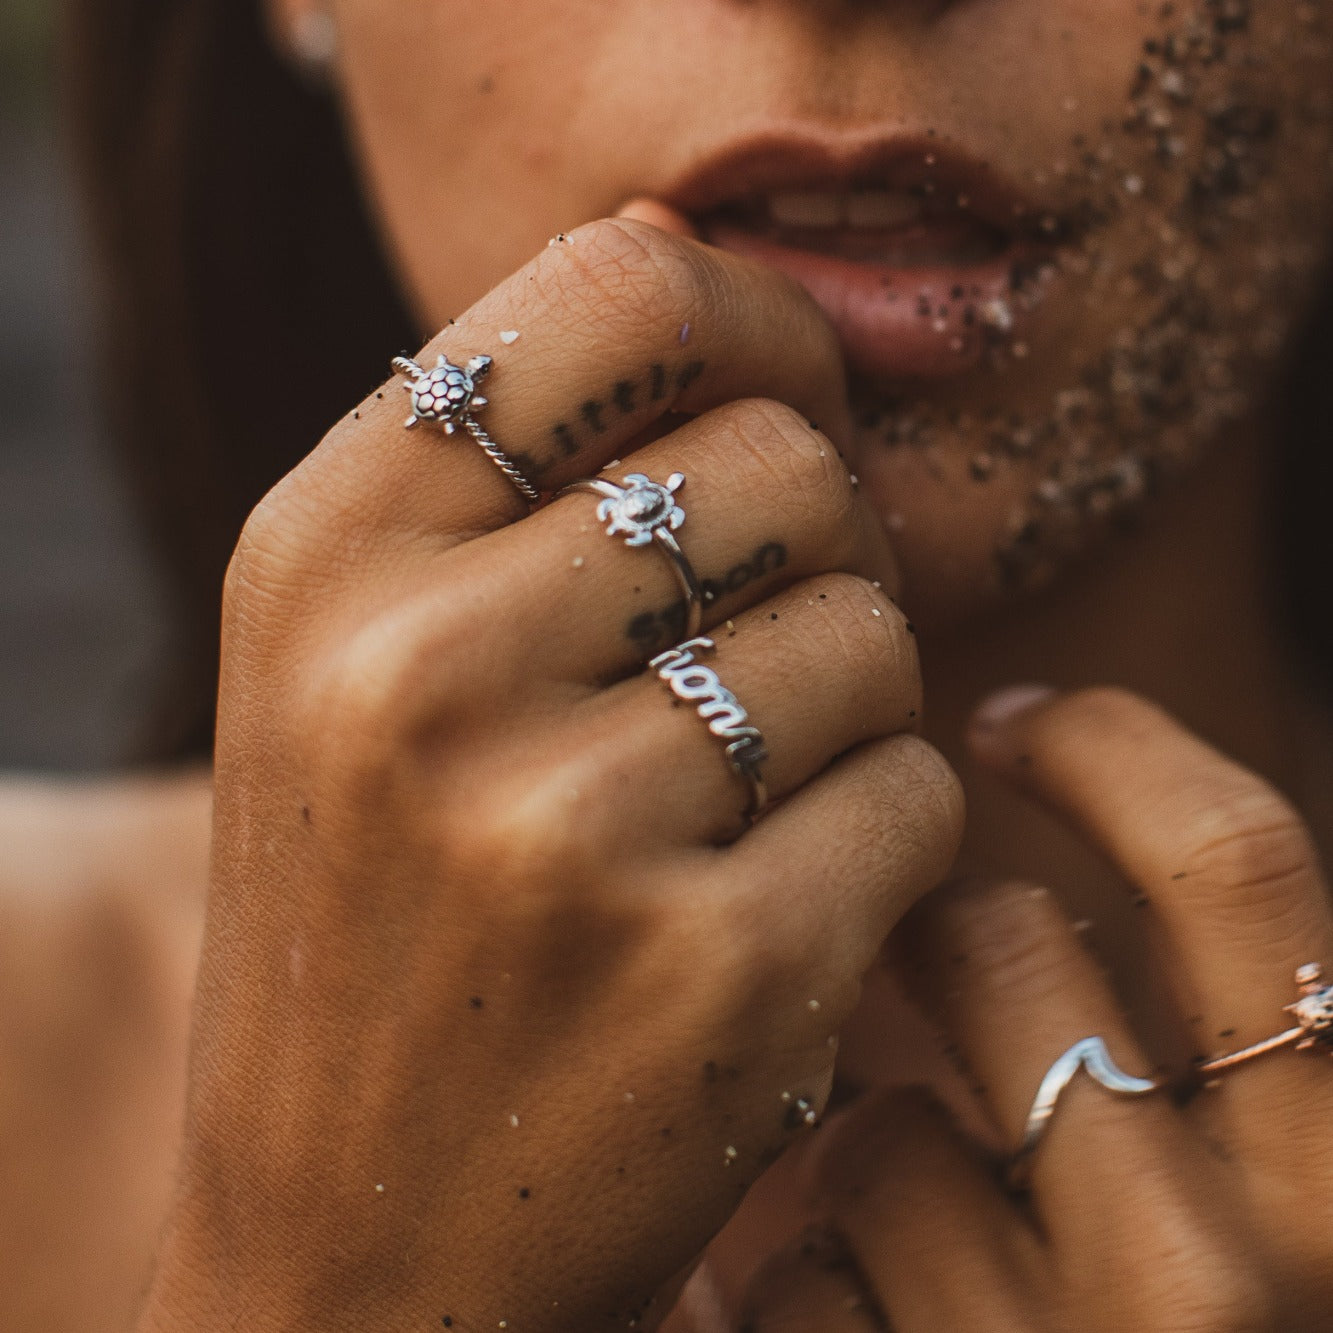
x=1005, y=705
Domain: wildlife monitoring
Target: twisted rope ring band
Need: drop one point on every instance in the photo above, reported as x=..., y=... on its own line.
x=448, y=396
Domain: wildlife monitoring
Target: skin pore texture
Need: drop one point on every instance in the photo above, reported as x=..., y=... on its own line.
x=1083, y=502
x=1169, y=150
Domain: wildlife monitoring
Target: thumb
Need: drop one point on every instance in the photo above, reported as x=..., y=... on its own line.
x=659, y=215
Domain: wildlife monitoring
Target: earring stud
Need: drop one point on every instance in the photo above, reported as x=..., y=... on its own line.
x=314, y=42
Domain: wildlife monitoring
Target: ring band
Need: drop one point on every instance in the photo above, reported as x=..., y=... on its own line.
x=1313, y=1013
x=691, y=681
x=1313, y=1031
x=1090, y=1054
x=448, y=396
x=646, y=511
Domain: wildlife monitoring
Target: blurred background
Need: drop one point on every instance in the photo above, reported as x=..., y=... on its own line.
x=80, y=620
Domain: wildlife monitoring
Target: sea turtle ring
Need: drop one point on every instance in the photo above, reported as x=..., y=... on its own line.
x=447, y=396
x=646, y=512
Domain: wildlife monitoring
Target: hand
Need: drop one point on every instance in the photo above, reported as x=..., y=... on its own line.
x=1144, y=1215
x=498, y=1015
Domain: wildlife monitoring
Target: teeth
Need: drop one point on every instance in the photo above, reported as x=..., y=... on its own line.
x=882, y=208
x=808, y=208
x=867, y=209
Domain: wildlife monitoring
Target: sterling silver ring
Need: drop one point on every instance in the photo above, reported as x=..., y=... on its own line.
x=691, y=681
x=646, y=511
x=1090, y=1054
x=1313, y=1030
x=447, y=396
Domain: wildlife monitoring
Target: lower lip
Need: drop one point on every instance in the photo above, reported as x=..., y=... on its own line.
x=909, y=322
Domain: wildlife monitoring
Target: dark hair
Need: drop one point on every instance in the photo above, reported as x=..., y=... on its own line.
x=248, y=302
x=1303, y=532
x=246, y=299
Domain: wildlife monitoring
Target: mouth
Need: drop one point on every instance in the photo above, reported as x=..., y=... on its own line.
x=925, y=260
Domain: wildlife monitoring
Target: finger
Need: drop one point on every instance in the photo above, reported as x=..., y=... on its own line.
x=939, y=1245
x=833, y=869
x=812, y=1285
x=1222, y=857
x=604, y=333
x=766, y=502
x=821, y=667
x=1015, y=989
x=657, y=214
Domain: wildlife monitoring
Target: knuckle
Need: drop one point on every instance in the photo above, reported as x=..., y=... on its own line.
x=803, y=470
x=537, y=860
x=939, y=790
x=1012, y=932
x=767, y=966
x=1249, y=840
x=723, y=930
x=1215, y=1290
x=541, y=837
x=272, y=538
x=867, y=629
x=908, y=776
x=302, y=527
x=624, y=277
x=347, y=720
x=371, y=702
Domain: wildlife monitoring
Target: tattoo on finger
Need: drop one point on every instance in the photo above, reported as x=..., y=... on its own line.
x=624, y=398
x=651, y=631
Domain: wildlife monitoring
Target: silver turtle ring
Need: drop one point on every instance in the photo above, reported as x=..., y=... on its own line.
x=447, y=396
x=646, y=512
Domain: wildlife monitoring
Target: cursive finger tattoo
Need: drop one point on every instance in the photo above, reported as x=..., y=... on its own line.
x=651, y=631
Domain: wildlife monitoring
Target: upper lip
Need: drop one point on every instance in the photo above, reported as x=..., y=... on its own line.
x=775, y=160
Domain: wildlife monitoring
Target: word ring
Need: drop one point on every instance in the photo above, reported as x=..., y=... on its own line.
x=692, y=682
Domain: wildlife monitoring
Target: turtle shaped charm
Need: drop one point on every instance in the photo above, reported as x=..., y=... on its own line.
x=643, y=508
x=1314, y=1010
x=447, y=394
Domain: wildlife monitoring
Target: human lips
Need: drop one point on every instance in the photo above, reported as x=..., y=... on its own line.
x=923, y=258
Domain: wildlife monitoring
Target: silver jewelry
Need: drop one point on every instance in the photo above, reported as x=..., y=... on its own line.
x=1090, y=1054
x=646, y=511
x=313, y=41
x=1313, y=1031
x=447, y=396
x=1313, y=1013
x=694, y=683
